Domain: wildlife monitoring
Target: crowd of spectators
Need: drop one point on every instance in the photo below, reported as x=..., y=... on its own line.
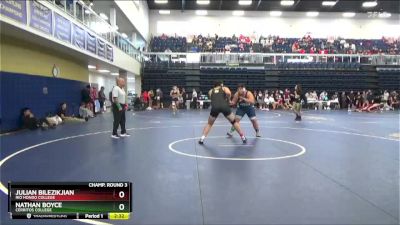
x=365, y=101
x=274, y=44
x=282, y=99
x=150, y=99
x=352, y=101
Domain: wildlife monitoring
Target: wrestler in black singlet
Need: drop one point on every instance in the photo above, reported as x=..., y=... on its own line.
x=219, y=103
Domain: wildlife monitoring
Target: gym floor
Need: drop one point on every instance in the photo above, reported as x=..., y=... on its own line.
x=334, y=167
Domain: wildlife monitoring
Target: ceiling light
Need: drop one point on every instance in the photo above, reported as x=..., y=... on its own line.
x=349, y=14
x=104, y=16
x=103, y=71
x=164, y=12
x=312, y=14
x=329, y=3
x=201, y=12
x=91, y=67
x=245, y=2
x=238, y=13
x=384, y=15
x=114, y=74
x=369, y=4
x=203, y=2
x=161, y=1
x=287, y=3
x=275, y=13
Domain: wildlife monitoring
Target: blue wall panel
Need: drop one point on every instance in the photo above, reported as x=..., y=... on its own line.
x=20, y=90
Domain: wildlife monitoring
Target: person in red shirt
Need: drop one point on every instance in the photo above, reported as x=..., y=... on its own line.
x=312, y=50
x=145, y=97
x=295, y=47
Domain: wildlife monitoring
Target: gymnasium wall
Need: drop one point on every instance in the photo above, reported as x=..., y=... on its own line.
x=290, y=24
x=137, y=13
x=26, y=70
x=107, y=81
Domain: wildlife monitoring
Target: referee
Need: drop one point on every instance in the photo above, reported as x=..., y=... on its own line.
x=118, y=108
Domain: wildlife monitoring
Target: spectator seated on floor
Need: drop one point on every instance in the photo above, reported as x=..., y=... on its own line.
x=84, y=112
x=279, y=100
x=271, y=101
x=286, y=98
x=31, y=122
x=63, y=114
x=373, y=105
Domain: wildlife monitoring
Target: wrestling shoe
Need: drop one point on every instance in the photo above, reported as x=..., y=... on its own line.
x=201, y=141
x=115, y=136
x=244, y=139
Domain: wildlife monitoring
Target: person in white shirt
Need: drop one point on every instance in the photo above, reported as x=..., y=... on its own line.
x=194, y=98
x=385, y=99
x=118, y=108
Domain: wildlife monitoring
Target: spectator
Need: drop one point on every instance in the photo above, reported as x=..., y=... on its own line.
x=159, y=98
x=385, y=100
x=271, y=101
x=343, y=100
x=102, y=99
x=94, y=100
x=260, y=100
x=334, y=101
x=182, y=98
x=273, y=44
x=30, y=122
x=194, y=99
x=63, y=114
x=150, y=94
x=350, y=100
x=85, y=95
x=394, y=100
x=145, y=98
x=84, y=112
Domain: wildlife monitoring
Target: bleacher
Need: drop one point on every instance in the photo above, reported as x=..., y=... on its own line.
x=389, y=78
x=174, y=44
x=315, y=66
x=313, y=76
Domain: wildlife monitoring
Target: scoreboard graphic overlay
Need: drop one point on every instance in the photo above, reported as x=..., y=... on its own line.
x=70, y=200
